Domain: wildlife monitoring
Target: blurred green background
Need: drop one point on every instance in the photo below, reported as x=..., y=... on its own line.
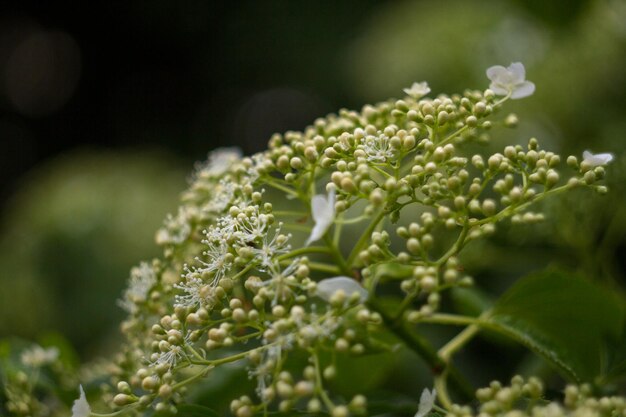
x=105, y=107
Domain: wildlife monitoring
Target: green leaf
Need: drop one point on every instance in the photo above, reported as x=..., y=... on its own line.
x=563, y=318
x=470, y=301
x=617, y=360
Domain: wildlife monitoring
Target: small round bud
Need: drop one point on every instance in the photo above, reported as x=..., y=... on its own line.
x=330, y=372
x=123, y=387
x=340, y=411
x=121, y=400
x=314, y=406
x=511, y=120
x=471, y=121
x=572, y=161
x=489, y=207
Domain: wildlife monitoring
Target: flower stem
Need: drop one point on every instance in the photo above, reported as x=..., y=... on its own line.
x=450, y=319
x=319, y=388
x=364, y=237
x=304, y=251
x=336, y=254
x=458, y=342
x=425, y=350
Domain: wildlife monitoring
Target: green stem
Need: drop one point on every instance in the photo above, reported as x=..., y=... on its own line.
x=453, y=135
x=192, y=378
x=450, y=319
x=281, y=187
x=364, y=237
x=510, y=210
x=405, y=304
x=298, y=227
x=352, y=220
x=303, y=251
x=441, y=385
x=319, y=266
x=424, y=349
x=319, y=388
x=336, y=254
x=458, y=342
x=116, y=413
x=456, y=247
x=290, y=213
x=381, y=171
x=242, y=272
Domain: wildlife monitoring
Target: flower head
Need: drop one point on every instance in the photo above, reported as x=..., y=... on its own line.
x=427, y=400
x=378, y=148
x=142, y=279
x=597, y=159
x=81, y=406
x=510, y=80
x=220, y=160
x=323, y=212
x=329, y=286
x=418, y=90
x=38, y=356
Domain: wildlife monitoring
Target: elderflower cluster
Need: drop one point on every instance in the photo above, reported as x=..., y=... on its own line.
x=23, y=393
x=524, y=398
x=276, y=260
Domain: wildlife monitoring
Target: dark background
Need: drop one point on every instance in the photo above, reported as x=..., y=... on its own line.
x=186, y=76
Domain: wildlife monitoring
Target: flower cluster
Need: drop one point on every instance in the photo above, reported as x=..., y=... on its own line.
x=232, y=286
x=26, y=381
x=526, y=398
x=260, y=267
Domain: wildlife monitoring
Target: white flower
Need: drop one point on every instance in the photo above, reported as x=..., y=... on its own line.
x=223, y=194
x=81, y=406
x=323, y=212
x=38, y=356
x=270, y=248
x=218, y=260
x=172, y=354
x=251, y=227
x=169, y=358
x=175, y=230
x=597, y=159
x=142, y=279
x=418, y=90
x=329, y=286
x=198, y=293
x=426, y=402
x=510, y=80
x=220, y=160
x=378, y=148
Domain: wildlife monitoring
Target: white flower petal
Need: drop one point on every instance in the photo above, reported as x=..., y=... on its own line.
x=517, y=71
x=318, y=232
x=323, y=213
x=327, y=287
x=418, y=90
x=510, y=80
x=498, y=89
x=221, y=159
x=496, y=72
x=524, y=89
x=81, y=406
x=322, y=207
x=427, y=400
x=597, y=159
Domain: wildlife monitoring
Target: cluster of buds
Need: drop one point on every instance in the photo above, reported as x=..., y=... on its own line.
x=258, y=267
x=526, y=398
